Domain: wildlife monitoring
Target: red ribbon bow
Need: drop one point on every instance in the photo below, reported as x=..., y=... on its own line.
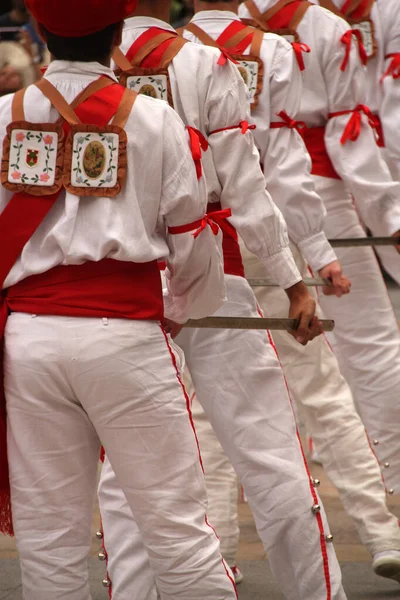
x=198, y=144
x=346, y=39
x=393, y=69
x=288, y=122
x=244, y=126
x=353, y=127
x=216, y=220
x=299, y=48
x=225, y=56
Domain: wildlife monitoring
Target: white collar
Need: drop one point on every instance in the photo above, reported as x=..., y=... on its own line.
x=69, y=69
x=146, y=23
x=215, y=15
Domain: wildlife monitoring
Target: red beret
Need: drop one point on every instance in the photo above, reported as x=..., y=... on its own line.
x=77, y=18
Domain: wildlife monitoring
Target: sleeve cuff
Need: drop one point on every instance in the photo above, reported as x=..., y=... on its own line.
x=282, y=269
x=317, y=251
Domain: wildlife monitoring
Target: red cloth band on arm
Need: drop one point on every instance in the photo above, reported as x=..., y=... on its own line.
x=353, y=127
x=393, y=69
x=243, y=126
x=346, y=39
x=287, y=122
x=216, y=220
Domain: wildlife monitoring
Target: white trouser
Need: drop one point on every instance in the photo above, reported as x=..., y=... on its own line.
x=221, y=482
x=70, y=382
x=366, y=333
x=239, y=382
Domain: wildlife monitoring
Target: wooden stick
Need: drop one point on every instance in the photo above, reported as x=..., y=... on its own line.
x=251, y=323
x=310, y=281
x=367, y=241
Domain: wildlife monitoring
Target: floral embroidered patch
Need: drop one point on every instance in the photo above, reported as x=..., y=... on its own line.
x=366, y=28
x=32, y=157
x=94, y=160
x=249, y=72
x=154, y=86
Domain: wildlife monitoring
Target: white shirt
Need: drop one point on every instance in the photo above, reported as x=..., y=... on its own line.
x=328, y=89
x=208, y=96
x=286, y=162
x=161, y=190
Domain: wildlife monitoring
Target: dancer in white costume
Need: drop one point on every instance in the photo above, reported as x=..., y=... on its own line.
x=85, y=354
x=237, y=375
x=382, y=44
x=345, y=157
x=313, y=373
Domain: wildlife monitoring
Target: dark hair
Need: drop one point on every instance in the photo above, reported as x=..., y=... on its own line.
x=89, y=48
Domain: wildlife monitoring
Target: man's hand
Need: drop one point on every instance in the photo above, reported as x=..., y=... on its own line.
x=340, y=284
x=302, y=307
x=397, y=235
x=172, y=328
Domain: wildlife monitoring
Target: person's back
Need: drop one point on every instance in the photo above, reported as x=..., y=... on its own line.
x=95, y=362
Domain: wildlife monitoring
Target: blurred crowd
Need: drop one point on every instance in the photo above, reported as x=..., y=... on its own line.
x=22, y=53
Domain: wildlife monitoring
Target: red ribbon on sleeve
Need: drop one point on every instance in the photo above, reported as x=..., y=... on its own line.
x=346, y=39
x=198, y=144
x=216, y=220
x=393, y=69
x=353, y=127
x=287, y=122
x=244, y=126
x=299, y=48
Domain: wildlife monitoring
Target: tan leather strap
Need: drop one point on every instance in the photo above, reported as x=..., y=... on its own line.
x=120, y=60
x=238, y=37
x=275, y=9
x=151, y=45
x=58, y=101
x=17, y=107
x=255, y=48
x=254, y=11
x=205, y=39
x=91, y=89
x=330, y=5
x=124, y=108
x=299, y=14
x=172, y=51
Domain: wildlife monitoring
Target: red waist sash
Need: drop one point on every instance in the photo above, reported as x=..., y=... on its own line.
x=108, y=288
x=233, y=262
x=314, y=139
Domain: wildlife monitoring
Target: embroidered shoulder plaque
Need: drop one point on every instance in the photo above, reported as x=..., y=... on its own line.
x=366, y=27
x=251, y=69
x=95, y=160
x=149, y=82
x=33, y=156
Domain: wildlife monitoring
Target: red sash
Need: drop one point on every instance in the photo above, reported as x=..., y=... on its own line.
x=64, y=290
x=233, y=262
x=227, y=38
x=283, y=18
x=314, y=139
x=155, y=56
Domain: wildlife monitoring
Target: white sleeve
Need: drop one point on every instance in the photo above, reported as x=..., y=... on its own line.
x=359, y=162
x=194, y=275
x=390, y=87
x=237, y=163
x=287, y=164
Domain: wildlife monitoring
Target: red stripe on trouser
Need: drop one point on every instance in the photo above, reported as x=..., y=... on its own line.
x=313, y=493
x=197, y=442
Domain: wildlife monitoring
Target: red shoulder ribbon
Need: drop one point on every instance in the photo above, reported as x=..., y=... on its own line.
x=353, y=127
x=346, y=39
x=299, y=48
x=198, y=143
x=393, y=69
x=216, y=220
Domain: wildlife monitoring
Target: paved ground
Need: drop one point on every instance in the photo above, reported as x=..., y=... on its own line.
x=360, y=582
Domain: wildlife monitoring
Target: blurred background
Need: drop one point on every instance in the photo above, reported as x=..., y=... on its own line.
x=22, y=54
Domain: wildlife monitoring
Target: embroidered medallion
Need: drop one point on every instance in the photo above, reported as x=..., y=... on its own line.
x=32, y=157
x=30, y=165
x=154, y=86
x=94, y=160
